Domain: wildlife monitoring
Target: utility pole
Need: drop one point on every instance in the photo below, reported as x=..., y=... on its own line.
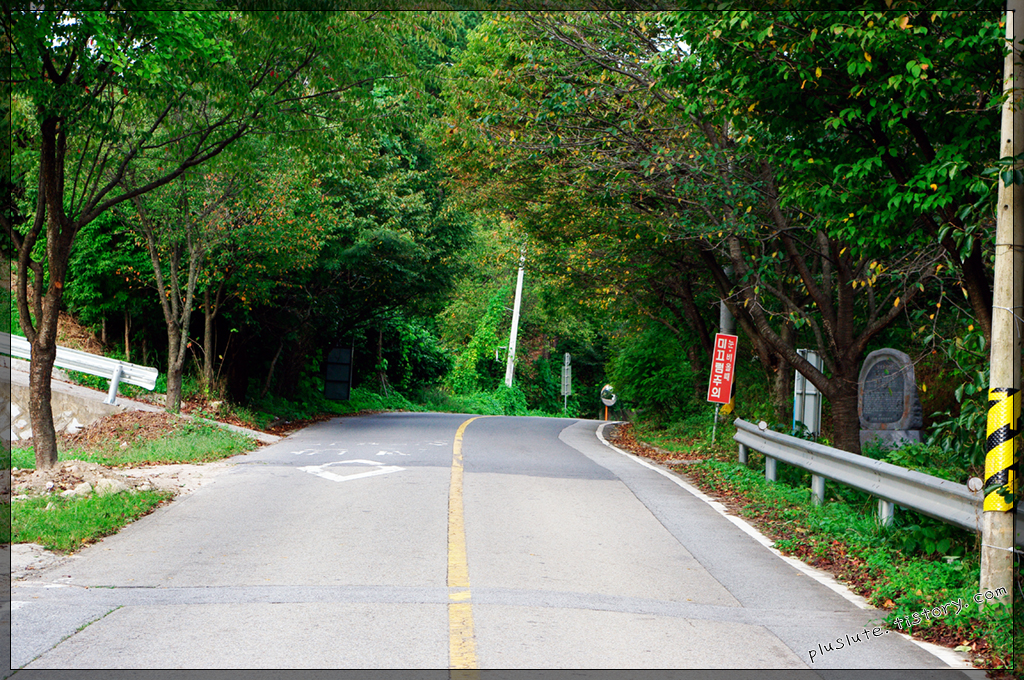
x=1004, y=398
x=510, y=365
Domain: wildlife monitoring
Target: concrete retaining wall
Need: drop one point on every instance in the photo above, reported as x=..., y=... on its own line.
x=73, y=406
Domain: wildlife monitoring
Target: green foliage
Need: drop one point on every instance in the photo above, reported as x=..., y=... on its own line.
x=917, y=533
x=107, y=273
x=544, y=389
x=879, y=93
x=504, y=401
x=8, y=321
x=961, y=435
x=465, y=376
x=411, y=355
x=66, y=524
x=649, y=372
x=511, y=400
x=924, y=457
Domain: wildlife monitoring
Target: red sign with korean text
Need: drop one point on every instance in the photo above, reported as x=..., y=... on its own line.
x=723, y=368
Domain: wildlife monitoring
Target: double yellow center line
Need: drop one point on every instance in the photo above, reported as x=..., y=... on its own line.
x=461, y=643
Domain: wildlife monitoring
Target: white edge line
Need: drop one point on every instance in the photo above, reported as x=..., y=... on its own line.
x=949, y=656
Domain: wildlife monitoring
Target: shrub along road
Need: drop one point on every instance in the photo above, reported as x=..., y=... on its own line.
x=413, y=540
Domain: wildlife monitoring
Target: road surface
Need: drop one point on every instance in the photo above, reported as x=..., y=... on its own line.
x=435, y=541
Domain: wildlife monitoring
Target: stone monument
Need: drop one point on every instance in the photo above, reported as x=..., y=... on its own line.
x=887, y=400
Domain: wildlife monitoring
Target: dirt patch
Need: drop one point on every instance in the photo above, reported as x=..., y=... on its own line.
x=124, y=428
x=623, y=437
x=73, y=335
x=69, y=475
x=114, y=431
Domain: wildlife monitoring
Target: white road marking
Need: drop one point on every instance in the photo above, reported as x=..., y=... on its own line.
x=391, y=453
x=313, y=452
x=321, y=470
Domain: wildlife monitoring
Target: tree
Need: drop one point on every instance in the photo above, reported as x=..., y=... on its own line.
x=911, y=98
x=98, y=92
x=611, y=111
x=563, y=120
x=176, y=225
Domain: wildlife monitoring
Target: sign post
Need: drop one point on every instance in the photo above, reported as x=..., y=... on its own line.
x=566, y=380
x=723, y=372
x=608, y=398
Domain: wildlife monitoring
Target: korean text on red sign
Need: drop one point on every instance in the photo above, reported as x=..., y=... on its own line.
x=723, y=368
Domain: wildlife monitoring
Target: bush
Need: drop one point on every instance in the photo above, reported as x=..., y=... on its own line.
x=650, y=373
x=512, y=400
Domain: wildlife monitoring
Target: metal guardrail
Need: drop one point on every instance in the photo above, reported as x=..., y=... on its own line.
x=113, y=370
x=893, y=485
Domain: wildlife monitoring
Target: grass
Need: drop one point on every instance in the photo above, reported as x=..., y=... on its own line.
x=690, y=437
x=66, y=524
x=192, y=443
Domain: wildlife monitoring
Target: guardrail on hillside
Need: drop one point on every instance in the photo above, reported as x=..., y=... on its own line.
x=113, y=370
x=893, y=485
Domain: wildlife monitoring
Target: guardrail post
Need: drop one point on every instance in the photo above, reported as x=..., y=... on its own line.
x=769, y=469
x=743, y=454
x=112, y=394
x=818, y=489
x=886, y=510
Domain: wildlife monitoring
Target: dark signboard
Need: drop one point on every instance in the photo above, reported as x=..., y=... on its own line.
x=338, y=374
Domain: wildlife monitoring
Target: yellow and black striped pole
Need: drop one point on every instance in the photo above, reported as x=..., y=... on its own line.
x=1002, y=447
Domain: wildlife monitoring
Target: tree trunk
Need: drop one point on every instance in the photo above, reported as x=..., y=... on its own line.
x=270, y=372
x=208, y=347
x=175, y=368
x=173, y=402
x=782, y=386
x=127, y=342
x=782, y=381
x=382, y=374
x=44, y=436
x=845, y=418
x=42, y=336
x=979, y=290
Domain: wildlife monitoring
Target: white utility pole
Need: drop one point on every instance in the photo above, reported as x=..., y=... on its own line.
x=1004, y=398
x=510, y=365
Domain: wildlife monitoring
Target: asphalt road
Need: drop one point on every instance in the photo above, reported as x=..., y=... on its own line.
x=435, y=541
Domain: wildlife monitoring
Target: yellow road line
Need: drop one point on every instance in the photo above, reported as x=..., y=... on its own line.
x=461, y=644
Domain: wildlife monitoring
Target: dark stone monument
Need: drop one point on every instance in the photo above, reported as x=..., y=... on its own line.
x=887, y=400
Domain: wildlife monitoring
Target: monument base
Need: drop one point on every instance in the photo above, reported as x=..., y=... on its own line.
x=890, y=438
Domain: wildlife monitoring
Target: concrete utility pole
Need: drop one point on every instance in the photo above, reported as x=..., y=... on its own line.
x=1004, y=418
x=510, y=365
